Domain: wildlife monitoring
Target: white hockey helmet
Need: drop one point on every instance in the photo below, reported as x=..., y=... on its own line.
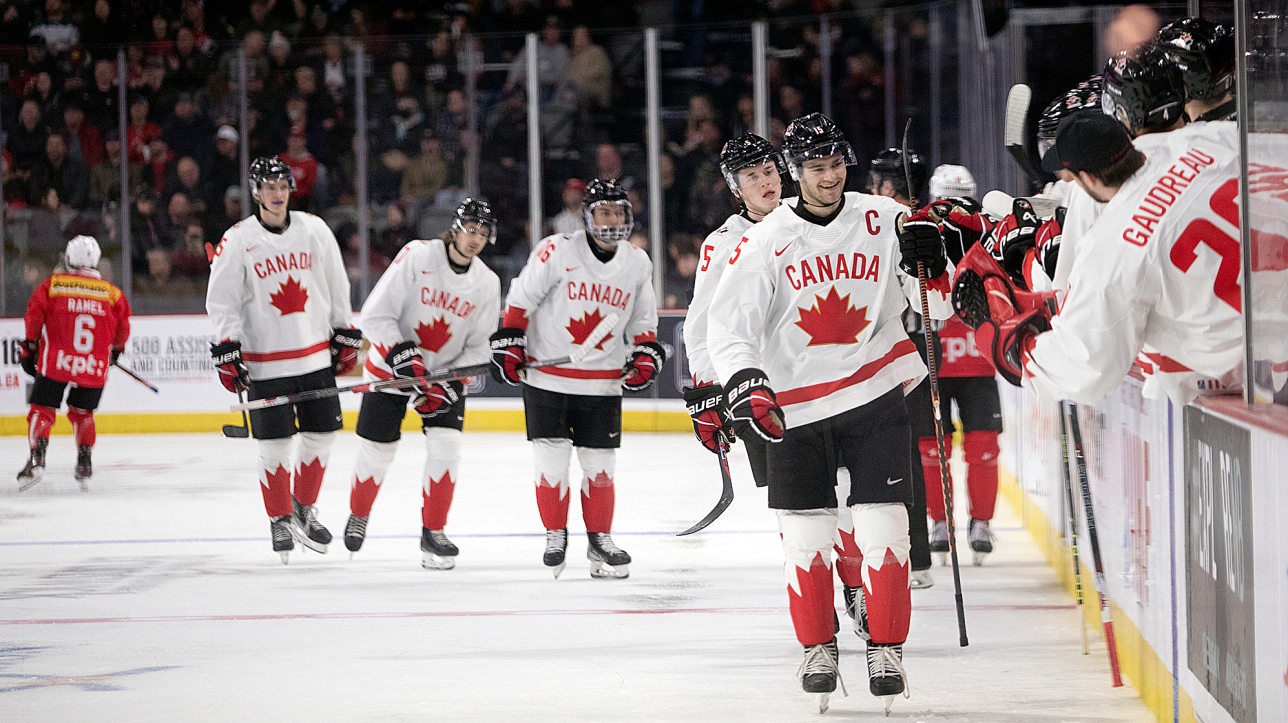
x=950, y=180
x=83, y=253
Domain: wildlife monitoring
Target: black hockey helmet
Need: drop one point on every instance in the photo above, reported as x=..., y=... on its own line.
x=1085, y=96
x=814, y=136
x=1143, y=89
x=599, y=192
x=269, y=168
x=888, y=166
x=476, y=211
x=1204, y=51
x=745, y=152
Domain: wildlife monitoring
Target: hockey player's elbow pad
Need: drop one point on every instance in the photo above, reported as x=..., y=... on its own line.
x=509, y=347
x=753, y=405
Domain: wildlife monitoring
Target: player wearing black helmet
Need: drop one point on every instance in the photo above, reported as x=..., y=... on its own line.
x=1143, y=89
x=1204, y=51
x=887, y=177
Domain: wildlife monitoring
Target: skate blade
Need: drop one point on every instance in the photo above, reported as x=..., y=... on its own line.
x=604, y=571
x=26, y=483
x=306, y=542
x=824, y=700
x=430, y=561
x=286, y=556
x=558, y=569
x=84, y=483
x=888, y=702
x=977, y=558
x=943, y=559
x=862, y=633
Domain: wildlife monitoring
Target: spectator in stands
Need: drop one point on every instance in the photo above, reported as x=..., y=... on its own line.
x=105, y=176
x=194, y=16
x=188, y=181
x=27, y=140
x=404, y=127
x=259, y=20
x=102, y=29
x=179, y=213
x=316, y=28
x=552, y=60
x=140, y=131
x=186, y=64
x=46, y=96
x=55, y=27
x=590, y=70
x=390, y=91
x=15, y=186
x=256, y=63
x=675, y=207
x=608, y=165
x=217, y=102
x=65, y=175
x=160, y=44
x=791, y=104
x=159, y=165
x=147, y=228
x=188, y=132
x=84, y=142
x=860, y=107
x=426, y=174
x=225, y=169
x=304, y=169
x=188, y=259
x=281, y=66
x=262, y=136
x=160, y=95
x=681, y=269
x=442, y=73
x=700, y=111
x=706, y=188
x=102, y=98
x=570, y=219
x=320, y=104
x=230, y=214
x=398, y=231
x=450, y=127
x=335, y=72
x=744, y=120
x=23, y=74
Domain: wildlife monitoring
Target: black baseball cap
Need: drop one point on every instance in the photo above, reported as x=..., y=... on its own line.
x=1087, y=141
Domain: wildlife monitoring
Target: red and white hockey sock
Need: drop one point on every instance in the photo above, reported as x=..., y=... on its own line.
x=807, y=544
x=551, y=457
x=314, y=451
x=882, y=533
x=930, y=467
x=369, y=472
x=275, y=475
x=442, y=469
x=597, y=494
x=83, y=429
x=849, y=559
x=40, y=419
x=981, y=450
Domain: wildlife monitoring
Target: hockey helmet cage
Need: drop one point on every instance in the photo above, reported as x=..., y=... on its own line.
x=745, y=152
x=1143, y=89
x=1085, y=96
x=949, y=181
x=476, y=211
x=1204, y=51
x=269, y=168
x=83, y=253
x=599, y=192
x=888, y=166
x=814, y=136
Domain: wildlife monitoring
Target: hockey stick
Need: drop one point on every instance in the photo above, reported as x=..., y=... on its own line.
x=1106, y=619
x=232, y=430
x=1073, y=525
x=1017, y=111
x=137, y=378
x=932, y=366
x=726, y=496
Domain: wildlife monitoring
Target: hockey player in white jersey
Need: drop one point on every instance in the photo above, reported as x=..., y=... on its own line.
x=278, y=299
x=571, y=284
x=805, y=334
x=434, y=308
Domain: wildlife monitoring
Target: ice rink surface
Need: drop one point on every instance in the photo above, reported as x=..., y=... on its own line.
x=155, y=596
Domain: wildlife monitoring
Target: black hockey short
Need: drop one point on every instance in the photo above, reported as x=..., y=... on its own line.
x=758, y=458
x=381, y=414
x=872, y=441
x=48, y=393
x=978, y=406
x=593, y=422
x=319, y=415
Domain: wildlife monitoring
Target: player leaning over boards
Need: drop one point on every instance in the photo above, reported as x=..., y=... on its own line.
x=815, y=360
x=434, y=308
x=572, y=282
x=77, y=325
x=278, y=299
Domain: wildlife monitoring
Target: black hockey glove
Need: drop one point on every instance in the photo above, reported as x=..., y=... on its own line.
x=1047, y=242
x=345, y=344
x=509, y=352
x=1014, y=237
x=228, y=362
x=753, y=406
x=712, y=424
x=115, y=354
x=643, y=367
x=27, y=355
x=963, y=223
x=921, y=242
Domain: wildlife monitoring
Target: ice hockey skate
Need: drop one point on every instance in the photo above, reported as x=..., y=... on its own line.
x=307, y=529
x=920, y=580
x=607, y=560
x=856, y=606
x=556, y=547
x=84, y=465
x=355, y=532
x=886, y=676
x=34, y=471
x=436, y=551
x=939, y=541
x=820, y=671
x=981, y=540
x=283, y=538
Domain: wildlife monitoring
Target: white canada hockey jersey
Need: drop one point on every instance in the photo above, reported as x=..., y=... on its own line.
x=280, y=295
x=421, y=298
x=1159, y=267
x=564, y=292
x=819, y=308
x=712, y=261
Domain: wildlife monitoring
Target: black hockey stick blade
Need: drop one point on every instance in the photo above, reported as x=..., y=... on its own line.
x=238, y=432
x=726, y=498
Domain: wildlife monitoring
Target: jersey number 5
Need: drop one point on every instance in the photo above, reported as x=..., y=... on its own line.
x=706, y=256
x=83, y=334
x=1202, y=231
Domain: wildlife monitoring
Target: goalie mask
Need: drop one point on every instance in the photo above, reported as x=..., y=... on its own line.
x=747, y=152
x=1086, y=96
x=1204, y=51
x=888, y=166
x=269, y=168
x=949, y=181
x=1143, y=90
x=475, y=211
x=600, y=193
x=83, y=253
x=814, y=136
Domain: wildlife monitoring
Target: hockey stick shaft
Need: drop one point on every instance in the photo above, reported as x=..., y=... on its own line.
x=130, y=373
x=726, y=496
x=1106, y=618
x=1073, y=525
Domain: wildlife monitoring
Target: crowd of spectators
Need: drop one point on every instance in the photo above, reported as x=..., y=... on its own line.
x=64, y=143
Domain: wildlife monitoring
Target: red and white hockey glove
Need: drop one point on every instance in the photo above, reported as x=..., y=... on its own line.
x=963, y=223
x=753, y=406
x=920, y=241
x=1006, y=319
x=1047, y=242
x=439, y=398
x=712, y=424
x=509, y=352
x=1014, y=238
x=228, y=362
x=643, y=367
x=345, y=344
x=27, y=355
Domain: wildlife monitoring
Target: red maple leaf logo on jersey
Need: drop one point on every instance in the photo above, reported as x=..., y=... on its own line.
x=290, y=297
x=831, y=320
x=581, y=328
x=434, y=335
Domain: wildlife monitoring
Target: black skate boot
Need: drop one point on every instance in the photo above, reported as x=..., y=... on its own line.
x=820, y=671
x=856, y=606
x=307, y=529
x=556, y=546
x=355, y=531
x=283, y=542
x=981, y=540
x=436, y=551
x=607, y=560
x=939, y=541
x=886, y=676
x=84, y=465
x=31, y=474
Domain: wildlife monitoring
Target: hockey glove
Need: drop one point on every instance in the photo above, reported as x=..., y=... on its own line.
x=643, y=367
x=921, y=242
x=115, y=354
x=439, y=398
x=405, y=362
x=228, y=362
x=1006, y=320
x=753, y=406
x=712, y=424
x=1047, y=242
x=963, y=227
x=509, y=347
x=345, y=344
x=27, y=355
x=1014, y=239
x=1009, y=344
